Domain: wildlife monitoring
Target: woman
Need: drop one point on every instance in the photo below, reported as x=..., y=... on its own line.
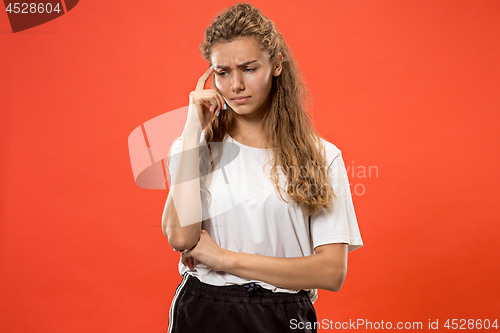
x=269, y=237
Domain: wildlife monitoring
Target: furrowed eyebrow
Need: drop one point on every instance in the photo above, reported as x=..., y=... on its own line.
x=242, y=65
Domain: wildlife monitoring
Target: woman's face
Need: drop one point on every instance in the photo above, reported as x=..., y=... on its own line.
x=243, y=75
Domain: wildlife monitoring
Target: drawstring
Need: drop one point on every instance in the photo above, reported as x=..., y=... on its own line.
x=253, y=288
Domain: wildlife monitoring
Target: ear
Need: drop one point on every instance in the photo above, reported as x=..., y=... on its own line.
x=278, y=65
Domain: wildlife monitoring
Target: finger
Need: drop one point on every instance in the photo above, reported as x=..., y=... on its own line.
x=206, y=100
x=191, y=263
x=210, y=99
x=220, y=100
x=187, y=262
x=203, y=79
x=214, y=103
x=184, y=257
x=217, y=100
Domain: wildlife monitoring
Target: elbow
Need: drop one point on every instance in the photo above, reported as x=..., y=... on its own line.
x=180, y=239
x=174, y=240
x=179, y=243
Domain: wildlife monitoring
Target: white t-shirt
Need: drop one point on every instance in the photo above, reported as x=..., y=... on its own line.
x=246, y=213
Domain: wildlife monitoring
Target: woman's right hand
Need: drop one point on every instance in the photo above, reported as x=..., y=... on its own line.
x=204, y=102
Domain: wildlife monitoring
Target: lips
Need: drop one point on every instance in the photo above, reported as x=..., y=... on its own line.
x=241, y=99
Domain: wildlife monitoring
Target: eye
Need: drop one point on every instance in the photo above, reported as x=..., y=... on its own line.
x=248, y=70
x=221, y=73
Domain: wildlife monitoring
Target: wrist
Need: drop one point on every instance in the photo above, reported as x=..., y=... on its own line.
x=229, y=261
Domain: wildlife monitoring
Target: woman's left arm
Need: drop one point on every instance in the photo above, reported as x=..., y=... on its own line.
x=325, y=269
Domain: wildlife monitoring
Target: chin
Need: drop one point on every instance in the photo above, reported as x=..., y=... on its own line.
x=243, y=113
x=243, y=109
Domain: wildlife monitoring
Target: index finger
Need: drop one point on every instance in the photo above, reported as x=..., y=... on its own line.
x=203, y=79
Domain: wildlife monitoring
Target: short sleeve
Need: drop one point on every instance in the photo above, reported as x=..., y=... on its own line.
x=337, y=224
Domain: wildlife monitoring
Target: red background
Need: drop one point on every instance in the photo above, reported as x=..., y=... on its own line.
x=411, y=87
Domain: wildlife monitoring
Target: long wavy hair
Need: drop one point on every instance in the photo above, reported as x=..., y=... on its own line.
x=298, y=150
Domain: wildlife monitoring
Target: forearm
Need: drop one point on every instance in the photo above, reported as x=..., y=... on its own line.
x=311, y=272
x=182, y=215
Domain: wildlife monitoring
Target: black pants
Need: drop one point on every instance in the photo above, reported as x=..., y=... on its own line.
x=201, y=307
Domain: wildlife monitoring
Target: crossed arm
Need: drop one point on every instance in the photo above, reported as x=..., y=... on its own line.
x=325, y=269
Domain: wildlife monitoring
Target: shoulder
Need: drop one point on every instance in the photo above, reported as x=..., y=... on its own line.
x=331, y=151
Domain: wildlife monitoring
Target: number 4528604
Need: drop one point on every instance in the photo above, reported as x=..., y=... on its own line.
x=32, y=8
x=464, y=324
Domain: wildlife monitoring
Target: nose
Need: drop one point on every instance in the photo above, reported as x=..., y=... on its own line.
x=237, y=82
